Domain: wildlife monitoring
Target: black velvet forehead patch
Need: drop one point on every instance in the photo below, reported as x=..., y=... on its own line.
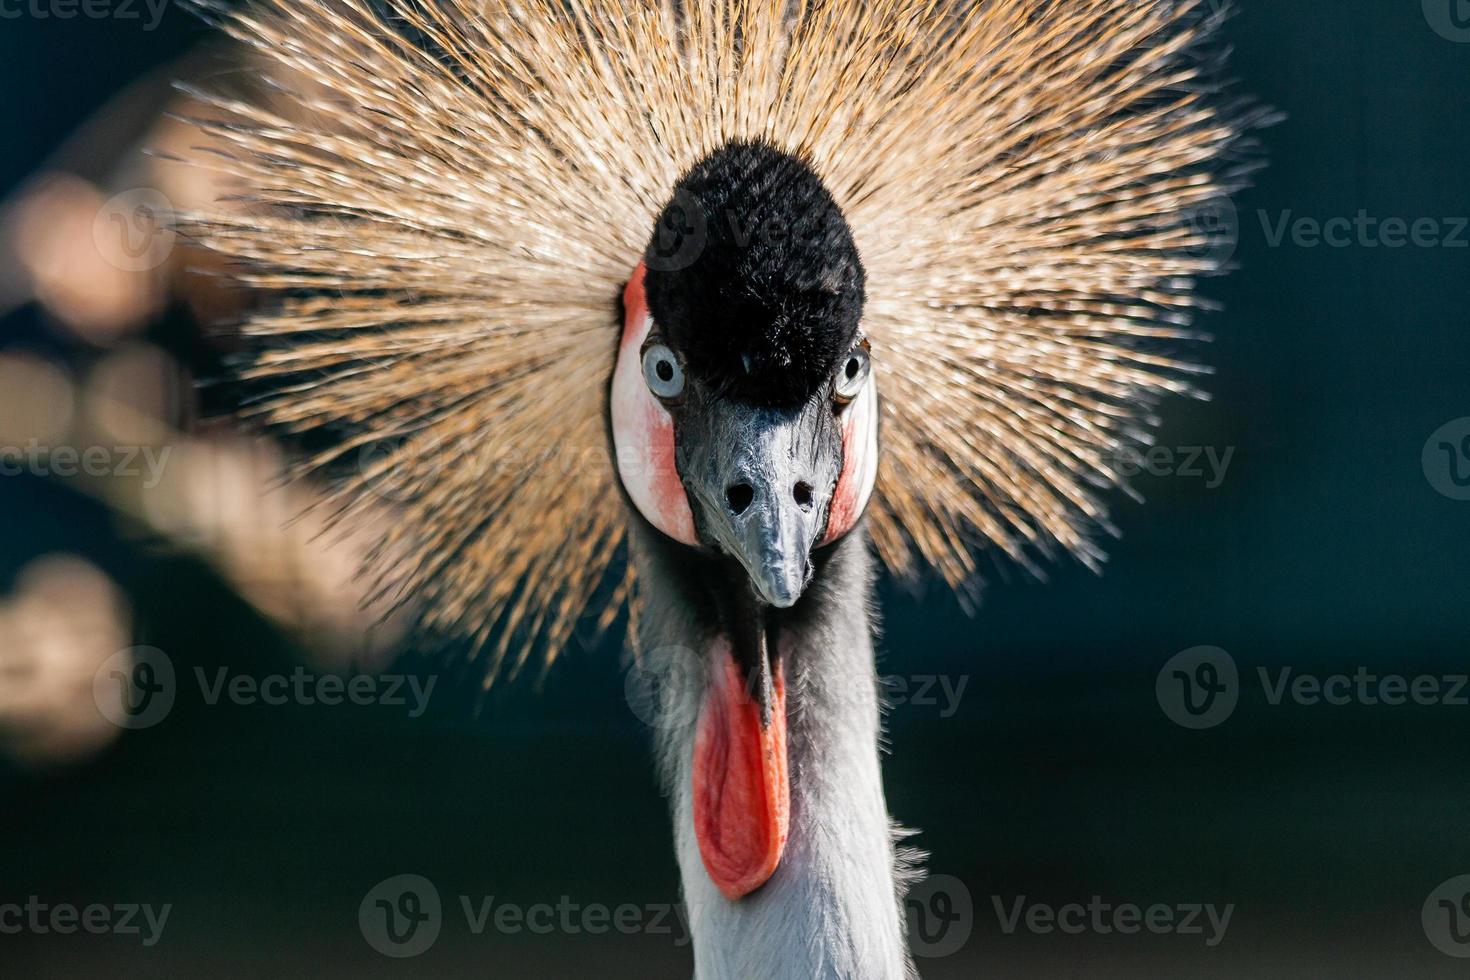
x=753, y=276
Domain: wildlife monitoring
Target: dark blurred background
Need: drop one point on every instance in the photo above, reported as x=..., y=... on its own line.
x=1333, y=541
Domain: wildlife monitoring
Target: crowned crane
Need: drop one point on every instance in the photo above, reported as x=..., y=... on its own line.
x=744, y=418
x=896, y=277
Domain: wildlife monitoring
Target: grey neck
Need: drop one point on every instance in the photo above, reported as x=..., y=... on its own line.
x=832, y=908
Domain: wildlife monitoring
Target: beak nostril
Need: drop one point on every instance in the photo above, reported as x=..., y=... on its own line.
x=739, y=496
x=803, y=494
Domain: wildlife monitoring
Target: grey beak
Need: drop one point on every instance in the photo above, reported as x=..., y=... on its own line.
x=763, y=482
x=773, y=539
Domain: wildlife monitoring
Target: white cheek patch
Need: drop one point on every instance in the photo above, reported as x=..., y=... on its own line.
x=859, y=461
x=643, y=430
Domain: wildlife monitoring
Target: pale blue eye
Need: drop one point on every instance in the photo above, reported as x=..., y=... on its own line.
x=852, y=374
x=662, y=372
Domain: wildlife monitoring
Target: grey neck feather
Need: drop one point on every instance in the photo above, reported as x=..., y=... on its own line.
x=832, y=909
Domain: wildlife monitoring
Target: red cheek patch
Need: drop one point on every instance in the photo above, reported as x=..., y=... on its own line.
x=643, y=430
x=859, y=463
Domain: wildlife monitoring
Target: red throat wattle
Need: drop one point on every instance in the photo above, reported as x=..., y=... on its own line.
x=742, y=796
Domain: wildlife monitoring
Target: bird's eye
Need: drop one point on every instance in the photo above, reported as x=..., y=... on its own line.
x=852, y=374
x=662, y=372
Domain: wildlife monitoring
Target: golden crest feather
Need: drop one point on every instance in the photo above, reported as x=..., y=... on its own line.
x=446, y=200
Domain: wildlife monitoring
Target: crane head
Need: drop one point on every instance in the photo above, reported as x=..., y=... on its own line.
x=744, y=406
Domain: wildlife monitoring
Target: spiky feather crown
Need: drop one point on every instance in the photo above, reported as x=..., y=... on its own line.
x=455, y=193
